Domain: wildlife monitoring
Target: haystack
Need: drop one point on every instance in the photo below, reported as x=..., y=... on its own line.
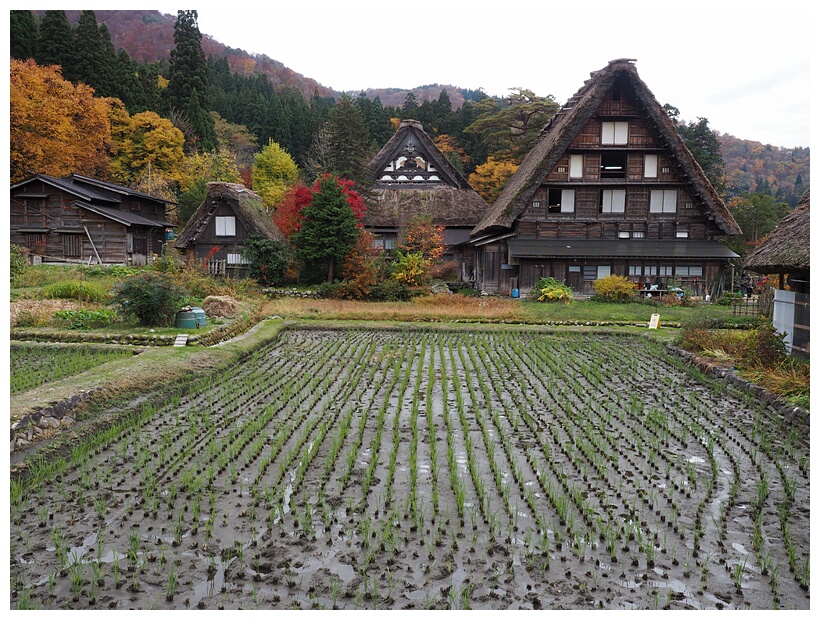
x=220, y=305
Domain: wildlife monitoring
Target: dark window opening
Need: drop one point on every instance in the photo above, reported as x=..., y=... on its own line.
x=554, y=201
x=140, y=246
x=613, y=165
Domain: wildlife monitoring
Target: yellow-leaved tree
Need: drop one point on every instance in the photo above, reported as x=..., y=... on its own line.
x=55, y=127
x=145, y=145
x=274, y=172
x=490, y=177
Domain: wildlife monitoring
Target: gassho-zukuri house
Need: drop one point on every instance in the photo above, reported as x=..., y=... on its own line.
x=413, y=177
x=609, y=188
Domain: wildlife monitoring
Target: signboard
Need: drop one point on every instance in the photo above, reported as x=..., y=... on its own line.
x=655, y=321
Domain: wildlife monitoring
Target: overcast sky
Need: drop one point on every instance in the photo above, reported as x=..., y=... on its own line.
x=744, y=65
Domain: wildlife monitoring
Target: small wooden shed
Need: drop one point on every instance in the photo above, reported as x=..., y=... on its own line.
x=786, y=251
x=215, y=234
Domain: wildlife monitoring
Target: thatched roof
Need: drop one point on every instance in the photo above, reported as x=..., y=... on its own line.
x=787, y=248
x=447, y=206
x=450, y=201
x=247, y=206
x=565, y=126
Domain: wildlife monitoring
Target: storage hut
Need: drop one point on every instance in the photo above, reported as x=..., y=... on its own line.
x=82, y=219
x=786, y=252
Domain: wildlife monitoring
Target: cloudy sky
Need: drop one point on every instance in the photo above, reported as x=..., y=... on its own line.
x=744, y=65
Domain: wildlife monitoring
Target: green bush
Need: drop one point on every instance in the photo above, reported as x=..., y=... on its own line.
x=727, y=299
x=86, y=319
x=269, y=259
x=80, y=290
x=330, y=290
x=551, y=290
x=391, y=290
x=412, y=269
x=18, y=262
x=153, y=298
x=614, y=288
x=169, y=261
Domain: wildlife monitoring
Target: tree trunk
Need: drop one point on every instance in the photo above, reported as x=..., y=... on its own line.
x=330, y=271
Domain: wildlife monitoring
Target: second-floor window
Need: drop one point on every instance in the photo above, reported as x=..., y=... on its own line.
x=561, y=201
x=613, y=165
x=663, y=201
x=650, y=166
x=225, y=225
x=576, y=166
x=612, y=200
x=614, y=132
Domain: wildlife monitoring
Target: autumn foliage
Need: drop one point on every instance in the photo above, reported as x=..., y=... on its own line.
x=361, y=269
x=420, y=235
x=490, y=177
x=288, y=215
x=55, y=127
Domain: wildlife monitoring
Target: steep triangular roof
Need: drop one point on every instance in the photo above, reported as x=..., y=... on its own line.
x=440, y=190
x=247, y=206
x=787, y=248
x=409, y=138
x=565, y=126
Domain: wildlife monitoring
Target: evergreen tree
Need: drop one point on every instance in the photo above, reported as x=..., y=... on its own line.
x=188, y=74
x=329, y=230
x=202, y=123
x=23, y=35
x=410, y=109
x=110, y=61
x=348, y=144
x=89, y=60
x=127, y=85
x=56, y=43
x=704, y=144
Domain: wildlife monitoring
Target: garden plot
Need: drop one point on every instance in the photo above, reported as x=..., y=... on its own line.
x=498, y=469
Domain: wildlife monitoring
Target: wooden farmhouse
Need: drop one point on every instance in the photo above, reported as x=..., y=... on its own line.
x=412, y=177
x=80, y=219
x=609, y=188
x=215, y=234
x=786, y=251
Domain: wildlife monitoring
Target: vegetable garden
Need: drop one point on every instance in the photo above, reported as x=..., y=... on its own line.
x=497, y=469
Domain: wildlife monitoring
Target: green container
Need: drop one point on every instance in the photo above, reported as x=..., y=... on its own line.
x=185, y=320
x=199, y=315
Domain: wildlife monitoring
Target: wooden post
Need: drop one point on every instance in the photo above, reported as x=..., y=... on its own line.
x=99, y=260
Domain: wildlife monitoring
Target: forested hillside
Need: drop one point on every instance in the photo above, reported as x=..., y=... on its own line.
x=762, y=168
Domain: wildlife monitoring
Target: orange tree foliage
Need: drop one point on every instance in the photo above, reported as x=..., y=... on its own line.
x=420, y=235
x=490, y=177
x=361, y=267
x=55, y=128
x=452, y=150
